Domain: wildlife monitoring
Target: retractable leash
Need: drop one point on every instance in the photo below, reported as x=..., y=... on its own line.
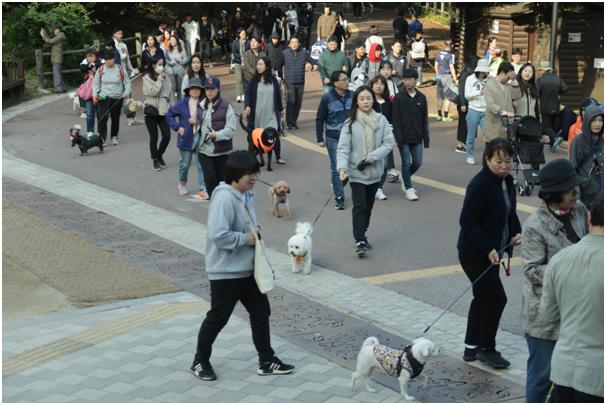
x=507, y=272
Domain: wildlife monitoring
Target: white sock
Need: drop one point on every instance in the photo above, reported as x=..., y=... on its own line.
x=471, y=346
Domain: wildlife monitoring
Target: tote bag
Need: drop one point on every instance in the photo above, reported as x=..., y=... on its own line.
x=85, y=91
x=263, y=272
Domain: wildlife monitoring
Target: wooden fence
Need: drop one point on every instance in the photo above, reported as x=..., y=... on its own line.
x=442, y=8
x=40, y=72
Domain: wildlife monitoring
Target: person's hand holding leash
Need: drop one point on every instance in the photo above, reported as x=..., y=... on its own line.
x=246, y=112
x=516, y=240
x=493, y=257
x=181, y=131
x=343, y=175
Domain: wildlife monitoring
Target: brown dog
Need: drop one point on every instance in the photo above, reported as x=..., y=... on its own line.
x=278, y=195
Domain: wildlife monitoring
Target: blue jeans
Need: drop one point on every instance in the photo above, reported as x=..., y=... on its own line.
x=410, y=152
x=90, y=114
x=420, y=74
x=184, y=164
x=474, y=118
x=337, y=186
x=538, y=368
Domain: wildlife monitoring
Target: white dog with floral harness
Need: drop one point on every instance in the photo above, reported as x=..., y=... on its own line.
x=403, y=364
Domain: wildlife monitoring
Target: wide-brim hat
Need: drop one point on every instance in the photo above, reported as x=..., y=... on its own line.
x=482, y=66
x=195, y=82
x=559, y=175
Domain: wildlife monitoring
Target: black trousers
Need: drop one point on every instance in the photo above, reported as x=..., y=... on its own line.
x=551, y=121
x=357, y=9
x=462, y=125
x=205, y=49
x=488, y=302
x=212, y=166
x=114, y=106
x=363, y=198
x=152, y=124
x=224, y=294
x=294, y=100
x=568, y=394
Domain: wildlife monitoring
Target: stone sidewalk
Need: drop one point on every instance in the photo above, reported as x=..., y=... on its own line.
x=141, y=350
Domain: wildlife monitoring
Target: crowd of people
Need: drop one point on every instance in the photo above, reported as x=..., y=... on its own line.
x=372, y=104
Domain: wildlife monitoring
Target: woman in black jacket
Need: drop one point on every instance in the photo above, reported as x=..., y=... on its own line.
x=383, y=105
x=489, y=225
x=462, y=103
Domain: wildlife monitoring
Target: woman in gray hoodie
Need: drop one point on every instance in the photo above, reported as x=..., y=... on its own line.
x=365, y=141
x=229, y=262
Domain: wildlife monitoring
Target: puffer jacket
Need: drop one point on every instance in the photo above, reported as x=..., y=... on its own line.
x=177, y=117
x=543, y=236
x=350, y=150
x=158, y=93
x=587, y=157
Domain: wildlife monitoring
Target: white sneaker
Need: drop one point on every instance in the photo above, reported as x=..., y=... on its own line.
x=238, y=99
x=392, y=176
x=114, y=140
x=242, y=97
x=470, y=161
x=83, y=115
x=411, y=194
x=380, y=195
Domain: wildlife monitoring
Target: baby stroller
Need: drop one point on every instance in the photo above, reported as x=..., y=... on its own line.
x=525, y=134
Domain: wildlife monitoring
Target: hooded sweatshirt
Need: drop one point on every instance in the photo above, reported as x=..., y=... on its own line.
x=586, y=152
x=373, y=61
x=227, y=254
x=474, y=88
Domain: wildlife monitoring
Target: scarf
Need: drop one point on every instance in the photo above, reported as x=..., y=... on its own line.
x=370, y=123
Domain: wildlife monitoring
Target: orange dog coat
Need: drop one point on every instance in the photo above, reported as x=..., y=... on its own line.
x=256, y=139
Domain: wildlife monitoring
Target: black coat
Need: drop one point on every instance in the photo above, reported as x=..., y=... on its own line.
x=276, y=57
x=550, y=87
x=410, y=119
x=483, y=216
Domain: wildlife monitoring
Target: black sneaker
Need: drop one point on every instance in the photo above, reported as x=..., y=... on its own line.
x=361, y=249
x=368, y=245
x=461, y=149
x=161, y=162
x=157, y=165
x=470, y=354
x=340, y=203
x=275, y=367
x=204, y=371
x=492, y=358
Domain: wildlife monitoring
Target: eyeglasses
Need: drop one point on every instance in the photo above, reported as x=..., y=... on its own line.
x=253, y=176
x=344, y=79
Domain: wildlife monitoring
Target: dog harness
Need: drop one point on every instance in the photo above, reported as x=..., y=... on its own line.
x=257, y=138
x=394, y=361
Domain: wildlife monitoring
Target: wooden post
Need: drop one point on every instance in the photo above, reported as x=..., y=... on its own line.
x=138, y=49
x=39, y=68
x=441, y=8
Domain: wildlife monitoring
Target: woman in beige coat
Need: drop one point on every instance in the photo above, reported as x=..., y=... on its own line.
x=499, y=94
x=159, y=94
x=559, y=222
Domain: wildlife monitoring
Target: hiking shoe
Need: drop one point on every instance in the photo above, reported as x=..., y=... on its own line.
x=392, y=176
x=470, y=354
x=439, y=118
x=411, y=194
x=340, y=203
x=157, y=165
x=361, y=249
x=460, y=149
x=470, y=161
x=447, y=119
x=203, y=371
x=181, y=188
x=161, y=162
x=274, y=367
x=203, y=196
x=380, y=195
x=114, y=140
x=492, y=358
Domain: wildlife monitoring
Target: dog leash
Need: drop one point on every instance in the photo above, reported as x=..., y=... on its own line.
x=467, y=289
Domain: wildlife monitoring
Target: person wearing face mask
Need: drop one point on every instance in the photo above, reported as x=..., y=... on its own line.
x=158, y=93
x=365, y=141
x=587, y=153
x=331, y=60
x=559, y=222
x=499, y=93
x=489, y=223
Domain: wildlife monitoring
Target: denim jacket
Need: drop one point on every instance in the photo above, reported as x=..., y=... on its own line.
x=332, y=113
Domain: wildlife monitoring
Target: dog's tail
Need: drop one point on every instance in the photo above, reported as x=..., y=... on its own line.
x=304, y=228
x=370, y=341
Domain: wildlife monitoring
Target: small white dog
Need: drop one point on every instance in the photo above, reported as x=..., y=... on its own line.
x=402, y=364
x=75, y=101
x=299, y=248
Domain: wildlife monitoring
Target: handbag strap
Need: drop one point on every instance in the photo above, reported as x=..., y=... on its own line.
x=249, y=222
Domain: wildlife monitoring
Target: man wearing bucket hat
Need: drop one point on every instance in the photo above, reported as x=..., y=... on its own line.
x=559, y=222
x=474, y=93
x=56, y=43
x=550, y=87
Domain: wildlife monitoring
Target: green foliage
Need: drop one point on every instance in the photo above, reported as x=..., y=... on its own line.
x=21, y=23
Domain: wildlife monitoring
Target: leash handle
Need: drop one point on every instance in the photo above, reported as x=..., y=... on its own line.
x=464, y=291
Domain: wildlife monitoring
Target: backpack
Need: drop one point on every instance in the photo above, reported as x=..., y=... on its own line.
x=418, y=50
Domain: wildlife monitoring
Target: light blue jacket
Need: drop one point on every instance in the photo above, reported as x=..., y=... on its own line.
x=227, y=254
